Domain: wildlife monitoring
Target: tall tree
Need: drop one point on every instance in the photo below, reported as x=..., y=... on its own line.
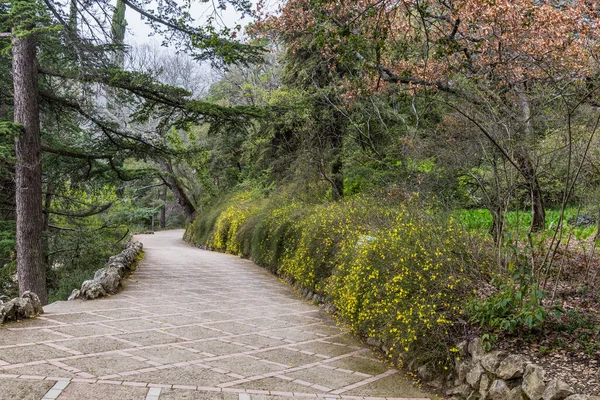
x=75, y=62
x=31, y=268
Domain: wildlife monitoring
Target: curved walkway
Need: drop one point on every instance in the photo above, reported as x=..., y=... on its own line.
x=191, y=324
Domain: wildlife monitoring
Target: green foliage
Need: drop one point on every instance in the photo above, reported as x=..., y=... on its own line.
x=7, y=258
x=517, y=305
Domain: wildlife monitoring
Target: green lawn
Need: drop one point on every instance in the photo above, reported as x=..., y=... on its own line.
x=518, y=221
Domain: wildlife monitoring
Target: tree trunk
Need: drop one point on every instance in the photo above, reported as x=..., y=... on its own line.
x=538, y=210
x=31, y=270
x=163, y=209
x=169, y=179
x=497, y=223
x=46, y=227
x=337, y=143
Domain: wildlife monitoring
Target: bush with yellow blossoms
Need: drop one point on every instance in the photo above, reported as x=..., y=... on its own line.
x=395, y=272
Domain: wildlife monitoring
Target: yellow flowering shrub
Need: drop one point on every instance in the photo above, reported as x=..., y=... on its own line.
x=395, y=272
x=405, y=286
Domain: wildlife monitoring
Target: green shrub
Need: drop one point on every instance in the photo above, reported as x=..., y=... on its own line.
x=517, y=305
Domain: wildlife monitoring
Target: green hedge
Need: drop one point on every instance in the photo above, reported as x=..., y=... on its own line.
x=395, y=272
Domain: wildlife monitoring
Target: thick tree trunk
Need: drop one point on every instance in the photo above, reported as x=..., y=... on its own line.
x=31, y=270
x=163, y=209
x=169, y=179
x=46, y=227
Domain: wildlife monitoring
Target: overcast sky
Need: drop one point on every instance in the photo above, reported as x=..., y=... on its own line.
x=139, y=33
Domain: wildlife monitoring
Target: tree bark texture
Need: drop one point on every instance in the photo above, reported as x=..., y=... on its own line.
x=163, y=209
x=538, y=210
x=169, y=179
x=31, y=270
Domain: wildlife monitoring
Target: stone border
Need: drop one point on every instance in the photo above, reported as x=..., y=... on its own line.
x=26, y=306
x=498, y=375
x=108, y=279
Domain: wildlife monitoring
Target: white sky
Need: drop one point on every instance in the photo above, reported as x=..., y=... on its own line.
x=139, y=33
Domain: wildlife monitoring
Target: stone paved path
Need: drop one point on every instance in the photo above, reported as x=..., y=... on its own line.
x=191, y=324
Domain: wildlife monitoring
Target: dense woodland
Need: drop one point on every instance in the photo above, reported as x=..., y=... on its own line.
x=432, y=167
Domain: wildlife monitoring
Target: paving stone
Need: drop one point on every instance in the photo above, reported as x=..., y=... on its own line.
x=84, y=330
x=12, y=337
x=41, y=370
x=216, y=347
x=325, y=377
x=106, y=364
x=259, y=341
x=134, y=324
x=79, y=391
x=327, y=349
x=196, y=332
x=19, y=389
x=245, y=365
x=95, y=345
x=186, y=375
x=26, y=354
x=166, y=355
x=359, y=364
x=288, y=357
x=148, y=338
x=383, y=387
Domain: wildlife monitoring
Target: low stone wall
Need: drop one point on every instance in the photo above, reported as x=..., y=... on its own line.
x=26, y=306
x=498, y=375
x=108, y=279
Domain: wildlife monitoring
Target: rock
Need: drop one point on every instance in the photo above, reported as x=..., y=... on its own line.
x=557, y=390
x=462, y=368
x=533, y=382
x=498, y=390
x=4, y=298
x=92, y=290
x=74, y=294
x=484, y=386
x=490, y=361
x=117, y=259
x=462, y=348
x=121, y=269
x=425, y=372
x=462, y=391
x=582, y=397
x=23, y=307
x=476, y=349
x=513, y=366
x=516, y=393
x=474, y=375
x=436, y=383
x=330, y=308
x=371, y=341
x=316, y=298
x=109, y=278
x=35, y=302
